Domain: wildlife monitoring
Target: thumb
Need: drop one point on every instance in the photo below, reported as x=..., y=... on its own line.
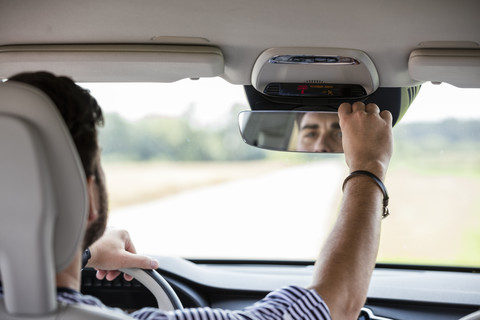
x=133, y=260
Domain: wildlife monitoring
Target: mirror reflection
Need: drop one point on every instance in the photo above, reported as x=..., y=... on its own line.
x=301, y=131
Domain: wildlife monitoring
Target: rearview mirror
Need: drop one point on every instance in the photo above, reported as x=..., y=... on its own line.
x=300, y=131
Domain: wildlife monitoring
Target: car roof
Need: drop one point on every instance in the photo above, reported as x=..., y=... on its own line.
x=388, y=31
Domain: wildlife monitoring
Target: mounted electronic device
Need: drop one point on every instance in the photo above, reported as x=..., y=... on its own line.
x=322, y=73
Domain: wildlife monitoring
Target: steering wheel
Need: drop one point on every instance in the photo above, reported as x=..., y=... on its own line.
x=472, y=316
x=166, y=297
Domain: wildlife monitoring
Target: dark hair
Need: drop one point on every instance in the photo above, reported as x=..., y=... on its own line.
x=78, y=108
x=299, y=119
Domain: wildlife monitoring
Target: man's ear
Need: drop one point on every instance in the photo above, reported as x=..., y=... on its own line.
x=92, y=199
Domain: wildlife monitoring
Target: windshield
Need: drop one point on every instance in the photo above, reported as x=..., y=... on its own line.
x=183, y=183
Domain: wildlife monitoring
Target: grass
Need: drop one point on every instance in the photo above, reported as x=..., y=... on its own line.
x=451, y=162
x=435, y=214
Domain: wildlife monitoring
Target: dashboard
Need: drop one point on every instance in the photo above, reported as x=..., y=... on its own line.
x=394, y=293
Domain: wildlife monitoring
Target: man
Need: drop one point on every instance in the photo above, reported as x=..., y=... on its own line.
x=345, y=265
x=319, y=132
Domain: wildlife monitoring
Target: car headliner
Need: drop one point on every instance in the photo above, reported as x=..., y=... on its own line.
x=386, y=30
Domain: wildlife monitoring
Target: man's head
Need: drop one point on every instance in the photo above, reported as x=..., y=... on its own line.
x=319, y=132
x=83, y=116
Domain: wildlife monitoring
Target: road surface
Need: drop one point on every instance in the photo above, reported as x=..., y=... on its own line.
x=284, y=214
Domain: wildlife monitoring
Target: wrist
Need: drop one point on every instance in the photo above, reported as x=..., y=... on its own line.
x=86, y=255
x=378, y=168
x=372, y=177
x=93, y=255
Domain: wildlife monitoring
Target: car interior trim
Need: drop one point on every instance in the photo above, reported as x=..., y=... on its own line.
x=458, y=67
x=138, y=63
x=400, y=285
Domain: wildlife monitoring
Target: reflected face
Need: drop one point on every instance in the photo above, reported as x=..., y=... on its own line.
x=320, y=132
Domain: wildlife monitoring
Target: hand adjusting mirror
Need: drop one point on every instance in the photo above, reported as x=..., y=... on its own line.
x=298, y=131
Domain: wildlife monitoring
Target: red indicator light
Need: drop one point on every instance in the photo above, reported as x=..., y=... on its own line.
x=302, y=88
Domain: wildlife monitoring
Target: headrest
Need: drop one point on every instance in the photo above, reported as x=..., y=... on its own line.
x=43, y=198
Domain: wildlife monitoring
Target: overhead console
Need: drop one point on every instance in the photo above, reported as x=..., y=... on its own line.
x=318, y=73
x=319, y=79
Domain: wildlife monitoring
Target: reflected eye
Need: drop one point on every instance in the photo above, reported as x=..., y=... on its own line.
x=335, y=134
x=310, y=135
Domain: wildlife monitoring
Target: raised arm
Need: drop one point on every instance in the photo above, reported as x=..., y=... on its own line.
x=345, y=265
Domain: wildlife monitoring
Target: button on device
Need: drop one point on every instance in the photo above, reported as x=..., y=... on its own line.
x=302, y=59
x=348, y=60
x=326, y=59
x=297, y=59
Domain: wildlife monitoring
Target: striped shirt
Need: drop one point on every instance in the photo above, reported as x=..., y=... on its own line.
x=289, y=303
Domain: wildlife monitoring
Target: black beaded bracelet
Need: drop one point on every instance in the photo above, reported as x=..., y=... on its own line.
x=379, y=182
x=85, y=257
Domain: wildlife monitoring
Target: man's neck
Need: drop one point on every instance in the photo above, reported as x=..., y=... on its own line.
x=70, y=277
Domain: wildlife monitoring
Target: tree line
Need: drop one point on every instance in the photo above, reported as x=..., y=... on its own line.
x=445, y=135
x=160, y=138
x=173, y=139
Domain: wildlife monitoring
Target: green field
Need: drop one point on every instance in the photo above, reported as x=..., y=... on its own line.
x=435, y=208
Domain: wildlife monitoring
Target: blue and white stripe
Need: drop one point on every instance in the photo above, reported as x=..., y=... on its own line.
x=289, y=303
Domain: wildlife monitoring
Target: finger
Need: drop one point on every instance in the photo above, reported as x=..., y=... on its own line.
x=112, y=274
x=387, y=116
x=127, y=277
x=344, y=108
x=140, y=261
x=101, y=274
x=358, y=106
x=372, y=108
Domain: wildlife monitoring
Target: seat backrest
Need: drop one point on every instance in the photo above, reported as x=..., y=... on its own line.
x=43, y=202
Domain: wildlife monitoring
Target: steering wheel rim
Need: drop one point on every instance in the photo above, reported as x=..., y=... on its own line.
x=472, y=316
x=166, y=297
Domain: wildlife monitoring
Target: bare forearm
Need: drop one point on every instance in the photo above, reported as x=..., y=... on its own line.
x=346, y=262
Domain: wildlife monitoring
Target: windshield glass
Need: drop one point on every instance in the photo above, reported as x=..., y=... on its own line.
x=183, y=183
